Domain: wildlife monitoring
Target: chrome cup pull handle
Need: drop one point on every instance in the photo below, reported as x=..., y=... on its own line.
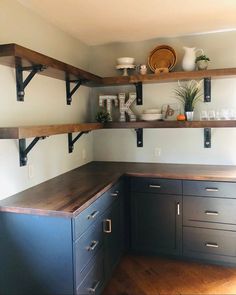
x=178, y=208
x=107, y=226
x=212, y=213
x=212, y=245
x=93, y=245
x=211, y=189
x=115, y=194
x=93, y=289
x=154, y=186
x=93, y=215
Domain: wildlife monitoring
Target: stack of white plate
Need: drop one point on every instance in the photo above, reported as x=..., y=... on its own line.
x=151, y=115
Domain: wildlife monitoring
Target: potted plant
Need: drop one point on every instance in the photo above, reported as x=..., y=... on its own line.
x=189, y=94
x=103, y=116
x=202, y=62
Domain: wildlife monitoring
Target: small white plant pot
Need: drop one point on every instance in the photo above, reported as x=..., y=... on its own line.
x=202, y=64
x=189, y=116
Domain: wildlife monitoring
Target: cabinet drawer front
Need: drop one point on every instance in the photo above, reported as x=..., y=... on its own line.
x=218, y=213
x=208, y=241
x=209, y=189
x=91, y=214
x=94, y=277
x=156, y=185
x=88, y=245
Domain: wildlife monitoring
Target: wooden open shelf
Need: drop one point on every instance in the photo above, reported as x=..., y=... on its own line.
x=171, y=124
x=46, y=130
x=168, y=77
x=13, y=54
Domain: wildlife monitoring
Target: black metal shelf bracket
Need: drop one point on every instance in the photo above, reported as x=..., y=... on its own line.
x=72, y=141
x=207, y=89
x=139, y=133
x=207, y=137
x=69, y=91
x=21, y=83
x=23, y=150
x=139, y=93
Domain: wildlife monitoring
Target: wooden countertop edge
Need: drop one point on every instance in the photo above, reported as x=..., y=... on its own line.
x=89, y=201
x=180, y=177
x=108, y=185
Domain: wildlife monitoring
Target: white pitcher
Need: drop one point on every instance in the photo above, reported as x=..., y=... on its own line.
x=188, y=63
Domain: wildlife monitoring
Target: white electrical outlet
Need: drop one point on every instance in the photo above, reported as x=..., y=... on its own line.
x=84, y=154
x=30, y=171
x=157, y=152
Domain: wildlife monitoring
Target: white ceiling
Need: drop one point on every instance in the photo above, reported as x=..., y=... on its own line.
x=103, y=21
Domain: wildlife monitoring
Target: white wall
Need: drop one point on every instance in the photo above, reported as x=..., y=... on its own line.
x=45, y=102
x=177, y=145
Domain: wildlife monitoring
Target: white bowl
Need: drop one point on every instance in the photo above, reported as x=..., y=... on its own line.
x=152, y=111
x=151, y=117
x=125, y=60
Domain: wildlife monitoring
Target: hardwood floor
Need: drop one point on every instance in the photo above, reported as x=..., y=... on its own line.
x=138, y=275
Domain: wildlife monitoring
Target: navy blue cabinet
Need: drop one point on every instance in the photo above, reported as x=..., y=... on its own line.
x=156, y=223
x=209, y=222
x=156, y=216
x=48, y=255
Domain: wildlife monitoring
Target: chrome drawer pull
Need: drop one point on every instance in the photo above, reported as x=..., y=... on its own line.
x=94, y=289
x=178, y=208
x=93, y=215
x=154, y=186
x=105, y=223
x=212, y=213
x=115, y=194
x=211, y=189
x=212, y=245
x=92, y=246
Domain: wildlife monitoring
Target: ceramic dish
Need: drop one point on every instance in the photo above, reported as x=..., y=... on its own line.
x=162, y=56
x=152, y=111
x=151, y=117
x=125, y=60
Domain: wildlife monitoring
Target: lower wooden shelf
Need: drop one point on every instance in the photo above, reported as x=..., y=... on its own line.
x=171, y=124
x=40, y=132
x=45, y=130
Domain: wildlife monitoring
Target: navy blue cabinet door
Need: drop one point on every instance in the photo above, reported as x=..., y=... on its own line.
x=156, y=222
x=113, y=236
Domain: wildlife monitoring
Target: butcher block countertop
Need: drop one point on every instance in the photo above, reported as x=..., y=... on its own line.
x=68, y=194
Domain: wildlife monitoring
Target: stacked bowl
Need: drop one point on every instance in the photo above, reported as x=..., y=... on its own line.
x=151, y=115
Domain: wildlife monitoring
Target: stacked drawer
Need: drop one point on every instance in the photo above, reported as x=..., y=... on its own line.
x=88, y=236
x=209, y=220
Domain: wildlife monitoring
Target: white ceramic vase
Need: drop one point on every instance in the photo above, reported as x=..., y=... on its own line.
x=189, y=116
x=188, y=62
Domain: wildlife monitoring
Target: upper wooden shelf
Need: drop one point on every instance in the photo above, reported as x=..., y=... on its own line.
x=171, y=124
x=169, y=77
x=46, y=130
x=13, y=54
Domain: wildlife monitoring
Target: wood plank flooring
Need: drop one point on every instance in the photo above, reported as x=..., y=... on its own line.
x=138, y=275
